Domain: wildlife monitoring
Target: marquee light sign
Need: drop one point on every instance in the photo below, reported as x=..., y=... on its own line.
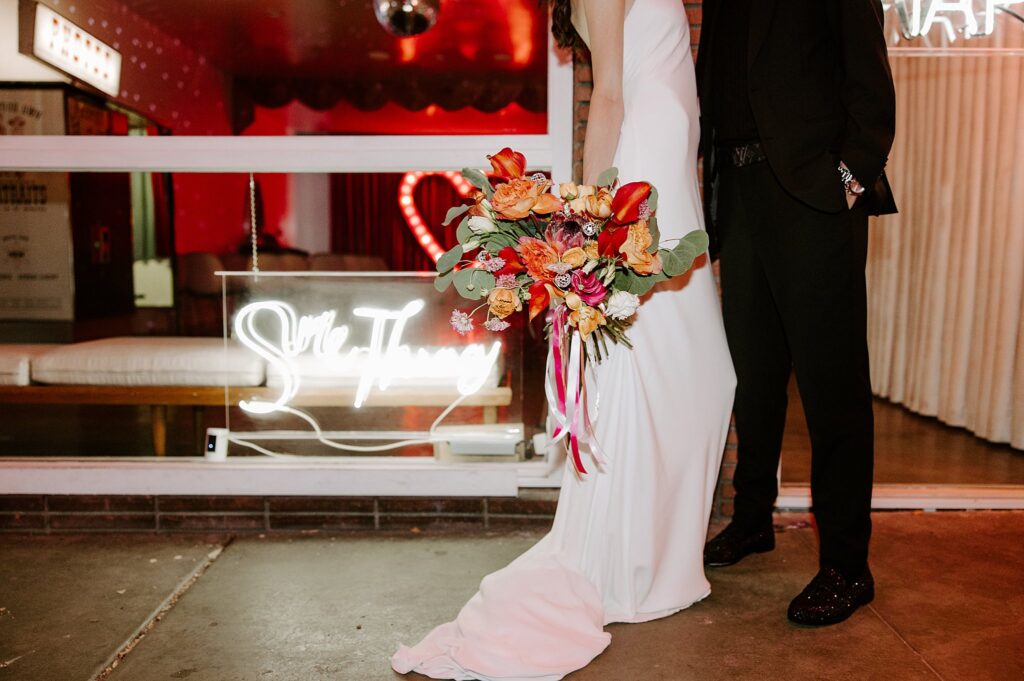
x=972, y=18
x=386, y=360
x=407, y=203
x=74, y=51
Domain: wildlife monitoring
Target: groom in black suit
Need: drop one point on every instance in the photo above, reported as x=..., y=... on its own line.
x=797, y=119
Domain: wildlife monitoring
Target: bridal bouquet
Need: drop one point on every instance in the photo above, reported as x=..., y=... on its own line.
x=584, y=254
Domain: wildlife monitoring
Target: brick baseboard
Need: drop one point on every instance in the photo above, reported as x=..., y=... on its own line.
x=67, y=514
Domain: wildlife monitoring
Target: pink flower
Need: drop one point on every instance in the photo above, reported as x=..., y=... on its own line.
x=506, y=280
x=495, y=324
x=588, y=287
x=461, y=322
x=494, y=264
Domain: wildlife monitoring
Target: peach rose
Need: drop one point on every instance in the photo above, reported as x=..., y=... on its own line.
x=600, y=205
x=587, y=319
x=575, y=257
x=503, y=301
x=579, y=204
x=590, y=248
x=568, y=190
x=635, y=248
x=515, y=199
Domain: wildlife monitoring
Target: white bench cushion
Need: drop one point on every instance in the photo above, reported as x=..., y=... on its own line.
x=16, y=360
x=150, y=361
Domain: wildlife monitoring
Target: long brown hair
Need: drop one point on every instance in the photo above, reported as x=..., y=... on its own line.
x=561, y=25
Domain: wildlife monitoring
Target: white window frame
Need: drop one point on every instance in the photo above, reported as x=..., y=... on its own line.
x=302, y=154
x=326, y=154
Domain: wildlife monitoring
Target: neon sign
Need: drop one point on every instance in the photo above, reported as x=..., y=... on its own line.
x=81, y=55
x=386, y=360
x=918, y=17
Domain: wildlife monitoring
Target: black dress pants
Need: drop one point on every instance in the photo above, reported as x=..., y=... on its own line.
x=794, y=299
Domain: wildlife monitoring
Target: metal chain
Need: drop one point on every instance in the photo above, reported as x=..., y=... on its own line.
x=252, y=223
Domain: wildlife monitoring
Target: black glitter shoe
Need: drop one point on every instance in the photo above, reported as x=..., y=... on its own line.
x=830, y=598
x=733, y=544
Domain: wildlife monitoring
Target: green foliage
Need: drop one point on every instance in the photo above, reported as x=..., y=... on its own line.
x=472, y=282
x=454, y=212
x=463, y=233
x=680, y=258
x=652, y=200
x=652, y=225
x=443, y=281
x=639, y=284
x=450, y=259
x=606, y=178
x=479, y=180
x=498, y=241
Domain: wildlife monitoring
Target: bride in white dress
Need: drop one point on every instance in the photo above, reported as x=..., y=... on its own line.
x=627, y=541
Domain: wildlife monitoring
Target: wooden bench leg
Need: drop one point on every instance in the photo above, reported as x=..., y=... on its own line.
x=199, y=426
x=159, y=419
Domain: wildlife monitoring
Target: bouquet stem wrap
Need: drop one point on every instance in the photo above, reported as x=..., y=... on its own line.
x=568, y=398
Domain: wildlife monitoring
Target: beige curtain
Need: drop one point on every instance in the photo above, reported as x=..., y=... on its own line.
x=946, y=275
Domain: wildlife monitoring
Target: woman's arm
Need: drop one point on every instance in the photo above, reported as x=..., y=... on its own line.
x=605, y=19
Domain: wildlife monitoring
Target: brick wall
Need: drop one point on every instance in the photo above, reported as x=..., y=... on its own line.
x=583, y=85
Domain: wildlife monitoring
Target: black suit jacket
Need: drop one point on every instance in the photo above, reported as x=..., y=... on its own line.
x=821, y=91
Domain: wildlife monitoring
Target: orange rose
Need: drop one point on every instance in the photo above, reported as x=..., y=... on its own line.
x=590, y=248
x=635, y=248
x=516, y=198
x=537, y=255
x=503, y=301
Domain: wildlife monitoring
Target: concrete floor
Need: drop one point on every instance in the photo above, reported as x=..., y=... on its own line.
x=950, y=606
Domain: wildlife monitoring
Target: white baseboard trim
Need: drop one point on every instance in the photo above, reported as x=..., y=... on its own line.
x=889, y=497
x=392, y=476
x=351, y=476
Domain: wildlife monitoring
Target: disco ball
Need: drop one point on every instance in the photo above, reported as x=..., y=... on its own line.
x=405, y=18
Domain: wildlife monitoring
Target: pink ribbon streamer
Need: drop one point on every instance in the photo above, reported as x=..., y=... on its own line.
x=571, y=408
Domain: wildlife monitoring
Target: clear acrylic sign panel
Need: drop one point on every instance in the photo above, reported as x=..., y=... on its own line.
x=361, y=365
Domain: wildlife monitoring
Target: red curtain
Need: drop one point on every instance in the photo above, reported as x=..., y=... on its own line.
x=367, y=220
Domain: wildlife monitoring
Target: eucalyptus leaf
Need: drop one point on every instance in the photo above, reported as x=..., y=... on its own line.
x=479, y=180
x=652, y=225
x=496, y=242
x=472, y=282
x=463, y=233
x=443, y=281
x=454, y=212
x=636, y=283
x=680, y=258
x=606, y=178
x=652, y=200
x=450, y=259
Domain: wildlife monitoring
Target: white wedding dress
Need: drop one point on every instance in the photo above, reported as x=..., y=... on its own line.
x=627, y=541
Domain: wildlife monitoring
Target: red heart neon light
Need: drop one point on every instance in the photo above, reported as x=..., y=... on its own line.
x=414, y=220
